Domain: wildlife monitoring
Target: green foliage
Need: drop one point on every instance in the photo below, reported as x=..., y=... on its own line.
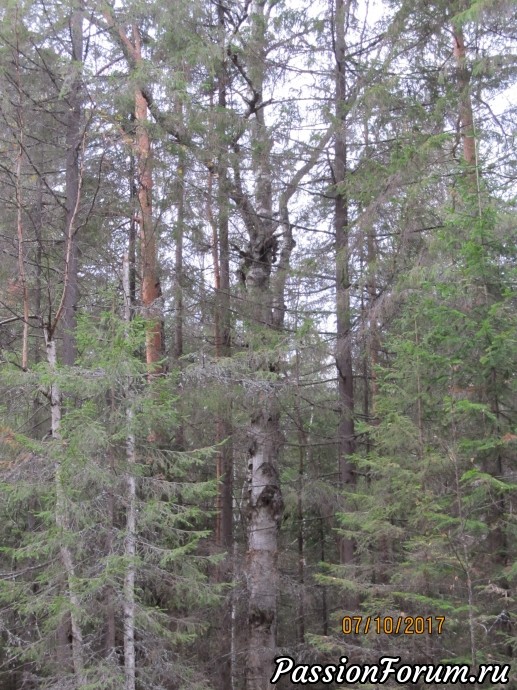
x=171, y=574
x=434, y=496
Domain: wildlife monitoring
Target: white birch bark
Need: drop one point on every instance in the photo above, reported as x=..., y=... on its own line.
x=62, y=519
x=265, y=503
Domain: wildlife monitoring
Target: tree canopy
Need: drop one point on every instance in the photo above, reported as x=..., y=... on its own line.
x=258, y=356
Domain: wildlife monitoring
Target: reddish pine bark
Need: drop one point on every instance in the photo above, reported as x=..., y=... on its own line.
x=465, y=110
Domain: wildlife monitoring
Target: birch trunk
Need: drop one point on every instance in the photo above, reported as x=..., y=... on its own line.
x=72, y=186
x=62, y=518
x=265, y=507
x=266, y=307
x=65, y=314
x=130, y=540
x=265, y=503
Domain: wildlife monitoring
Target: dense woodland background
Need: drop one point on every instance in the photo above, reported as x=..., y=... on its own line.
x=258, y=310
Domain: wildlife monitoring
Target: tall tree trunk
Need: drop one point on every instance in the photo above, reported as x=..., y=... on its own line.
x=73, y=153
x=178, y=261
x=65, y=316
x=265, y=510
x=61, y=515
x=303, y=451
x=151, y=289
x=19, y=200
x=265, y=504
x=21, y=252
x=225, y=430
x=266, y=309
x=224, y=459
x=224, y=456
x=132, y=240
x=497, y=539
x=178, y=282
x=130, y=539
x=324, y=604
x=38, y=226
x=178, y=346
x=346, y=437
x=373, y=326
x=466, y=116
x=224, y=525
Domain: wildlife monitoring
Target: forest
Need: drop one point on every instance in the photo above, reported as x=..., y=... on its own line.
x=258, y=341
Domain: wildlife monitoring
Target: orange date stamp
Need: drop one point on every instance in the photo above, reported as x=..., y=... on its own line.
x=393, y=625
